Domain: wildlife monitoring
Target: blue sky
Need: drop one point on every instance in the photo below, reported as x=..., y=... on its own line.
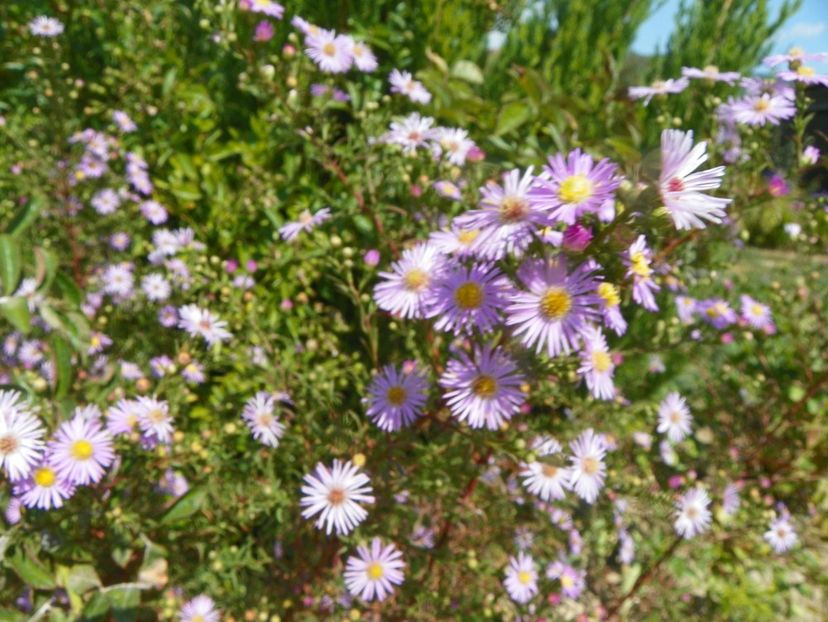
x=807, y=29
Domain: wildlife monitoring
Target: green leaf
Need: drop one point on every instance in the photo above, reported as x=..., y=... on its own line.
x=16, y=311
x=25, y=216
x=30, y=571
x=186, y=506
x=68, y=289
x=62, y=357
x=12, y=615
x=468, y=71
x=10, y=263
x=512, y=116
x=124, y=602
x=82, y=578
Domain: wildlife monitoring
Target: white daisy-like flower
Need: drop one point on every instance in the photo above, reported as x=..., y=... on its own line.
x=521, y=578
x=200, y=609
x=781, y=535
x=374, y=571
x=156, y=287
x=201, y=322
x=21, y=436
x=674, y=418
x=692, y=513
x=259, y=416
x=543, y=478
x=335, y=494
x=154, y=418
x=43, y=26
x=586, y=473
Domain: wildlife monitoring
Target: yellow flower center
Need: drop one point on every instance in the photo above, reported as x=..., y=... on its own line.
x=659, y=85
x=575, y=189
x=692, y=512
x=567, y=581
x=197, y=618
x=609, y=293
x=467, y=236
x=589, y=466
x=761, y=104
x=264, y=420
x=711, y=70
x=45, y=477
x=806, y=71
x=675, y=417
x=81, y=450
x=8, y=444
x=336, y=496
x=556, y=303
x=375, y=571
x=415, y=280
x=796, y=51
x=329, y=49
x=757, y=310
x=469, y=295
x=156, y=415
x=601, y=361
x=714, y=311
x=549, y=470
x=484, y=386
x=640, y=265
x=396, y=395
x=513, y=209
x=525, y=577
x=95, y=341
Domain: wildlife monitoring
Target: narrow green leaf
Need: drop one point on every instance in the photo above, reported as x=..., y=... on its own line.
x=468, y=71
x=10, y=263
x=62, y=357
x=25, y=216
x=512, y=116
x=186, y=506
x=16, y=311
x=30, y=571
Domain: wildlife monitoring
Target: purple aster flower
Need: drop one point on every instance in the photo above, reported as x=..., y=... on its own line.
x=777, y=186
x=403, y=83
x=161, y=365
x=557, y=307
x=408, y=290
x=521, y=580
x=637, y=259
x=794, y=55
x=805, y=75
x=364, y=58
x=259, y=415
x=762, y=109
x=124, y=123
x=154, y=419
x=810, y=155
x=154, y=212
x=757, y=315
x=119, y=240
x=264, y=31
x=306, y=222
x=573, y=581
x=484, y=390
x=98, y=342
x=711, y=73
x=122, y=417
x=106, y=201
x=686, y=309
x=659, y=87
x=45, y=488
x=681, y=188
x=459, y=241
x=597, y=366
x=173, y=483
x=90, y=167
x=396, y=398
x=452, y=143
x=330, y=51
x=265, y=7
x=611, y=307
x=717, y=313
x=374, y=572
x=507, y=216
x=201, y=608
x=470, y=297
x=587, y=469
x=447, y=190
x=576, y=237
x=573, y=186
x=412, y=132
x=193, y=372
x=81, y=451
x=43, y=26
x=168, y=316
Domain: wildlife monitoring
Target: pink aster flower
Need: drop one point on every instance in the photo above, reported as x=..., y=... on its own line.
x=756, y=314
x=717, y=313
x=330, y=51
x=412, y=132
x=306, y=222
x=452, y=143
x=597, y=366
x=264, y=31
x=638, y=259
x=556, y=308
x=711, y=73
x=201, y=322
x=364, y=58
x=810, y=155
x=659, y=87
x=81, y=451
x=408, y=290
x=681, y=188
x=200, y=609
x=447, y=189
x=374, y=571
x=483, y=390
x=396, y=398
x=403, y=83
x=506, y=215
x=43, y=26
x=762, y=109
x=469, y=298
x=572, y=186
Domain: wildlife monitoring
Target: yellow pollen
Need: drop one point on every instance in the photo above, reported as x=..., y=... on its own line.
x=589, y=466
x=197, y=618
x=761, y=104
x=156, y=416
x=8, y=444
x=415, y=280
x=601, y=361
x=575, y=189
x=711, y=70
x=806, y=71
x=374, y=571
x=305, y=217
x=45, y=477
x=659, y=85
x=467, y=236
x=329, y=49
x=469, y=295
x=567, y=581
x=609, y=293
x=81, y=450
x=131, y=420
x=525, y=577
x=396, y=395
x=484, y=386
x=513, y=209
x=757, y=310
x=555, y=303
x=714, y=311
x=549, y=470
x=95, y=341
x=795, y=51
x=640, y=265
x=336, y=496
x=264, y=420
